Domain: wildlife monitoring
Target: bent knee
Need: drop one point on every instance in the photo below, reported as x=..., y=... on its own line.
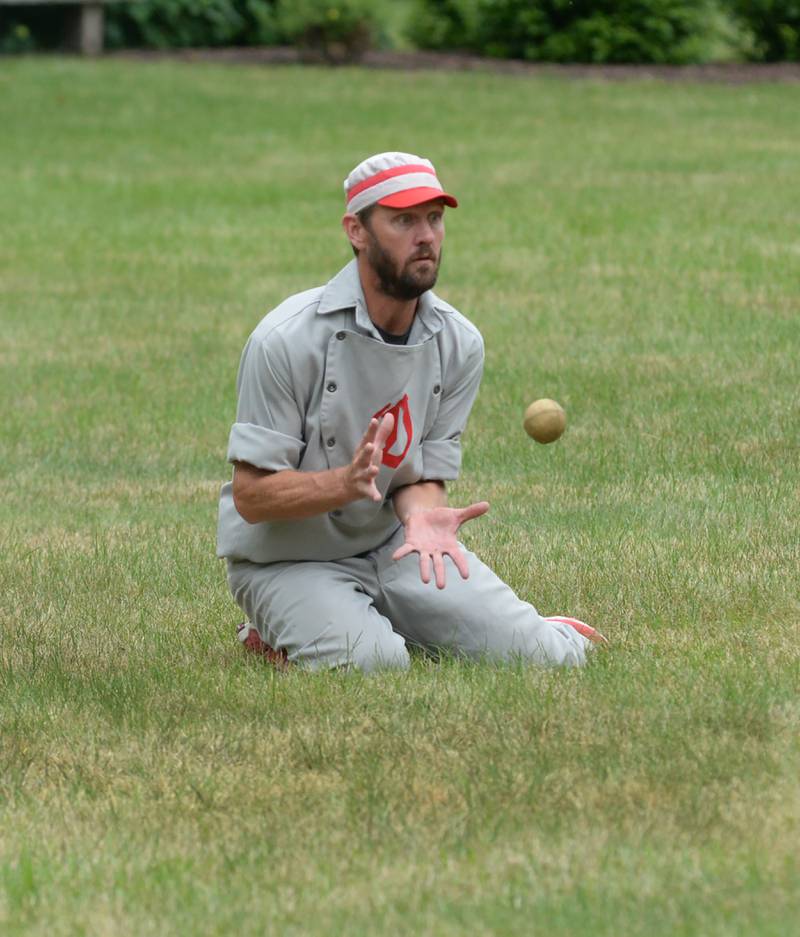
x=386, y=656
x=368, y=654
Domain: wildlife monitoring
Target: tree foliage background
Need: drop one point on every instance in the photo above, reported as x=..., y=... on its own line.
x=592, y=31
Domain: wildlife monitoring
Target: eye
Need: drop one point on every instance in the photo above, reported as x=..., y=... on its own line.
x=435, y=217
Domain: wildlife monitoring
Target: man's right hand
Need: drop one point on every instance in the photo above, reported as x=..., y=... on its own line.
x=363, y=470
x=260, y=495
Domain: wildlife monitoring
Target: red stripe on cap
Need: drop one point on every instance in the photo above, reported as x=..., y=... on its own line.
x=387, y=174
x=417, y=196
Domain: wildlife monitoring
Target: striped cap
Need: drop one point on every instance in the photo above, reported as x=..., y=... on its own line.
x=396, y=180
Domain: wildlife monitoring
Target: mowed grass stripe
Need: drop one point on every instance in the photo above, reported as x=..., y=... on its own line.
x=627, y=249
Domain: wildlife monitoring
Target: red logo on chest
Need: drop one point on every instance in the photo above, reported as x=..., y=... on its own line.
x=402, y=432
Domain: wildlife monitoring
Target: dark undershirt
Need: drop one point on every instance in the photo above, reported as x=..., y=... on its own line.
x=391, y=339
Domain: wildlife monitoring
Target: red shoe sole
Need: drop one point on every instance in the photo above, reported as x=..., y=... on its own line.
x=581, y=627
x=254, y=644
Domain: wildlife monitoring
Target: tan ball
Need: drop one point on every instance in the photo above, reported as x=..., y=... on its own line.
x=545, y=420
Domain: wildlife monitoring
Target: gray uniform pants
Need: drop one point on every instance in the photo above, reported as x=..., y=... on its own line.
x=362, y=611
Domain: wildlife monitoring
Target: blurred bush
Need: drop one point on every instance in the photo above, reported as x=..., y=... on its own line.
x=333, y=31
x=165, y=24
x=328, y=30
x=601, y=31
x=773, y=27
x=661, y=31
x=28, y=28
x=16, y=37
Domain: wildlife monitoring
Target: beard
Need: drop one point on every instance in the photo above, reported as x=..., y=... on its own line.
x=404, y=283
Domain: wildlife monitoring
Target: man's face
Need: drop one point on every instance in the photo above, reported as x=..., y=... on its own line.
x=404, y=248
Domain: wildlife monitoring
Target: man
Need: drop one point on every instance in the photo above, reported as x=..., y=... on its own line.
x=352, y=401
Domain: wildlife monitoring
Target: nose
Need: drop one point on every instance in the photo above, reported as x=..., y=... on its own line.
x=424, y=233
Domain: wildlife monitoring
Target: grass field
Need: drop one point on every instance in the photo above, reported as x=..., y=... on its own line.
x=631, y=250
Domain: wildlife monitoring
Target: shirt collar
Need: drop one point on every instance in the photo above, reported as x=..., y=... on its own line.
x=344, y=292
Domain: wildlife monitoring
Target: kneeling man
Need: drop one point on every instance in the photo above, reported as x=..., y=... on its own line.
x=341, y=547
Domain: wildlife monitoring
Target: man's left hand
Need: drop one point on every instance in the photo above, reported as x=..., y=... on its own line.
x=432, y=534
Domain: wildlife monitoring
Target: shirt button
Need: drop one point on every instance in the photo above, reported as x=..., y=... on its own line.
x=437, y=388
x=340, y=336
x=330, y=442
x=331, y=387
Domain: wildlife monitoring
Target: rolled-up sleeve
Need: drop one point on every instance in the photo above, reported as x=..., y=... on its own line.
x=441, y=447
x=268, y=432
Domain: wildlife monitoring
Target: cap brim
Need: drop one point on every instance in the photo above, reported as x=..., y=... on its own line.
x=410, y=197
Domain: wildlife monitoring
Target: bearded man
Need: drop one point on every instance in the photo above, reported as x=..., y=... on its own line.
x=352, y=398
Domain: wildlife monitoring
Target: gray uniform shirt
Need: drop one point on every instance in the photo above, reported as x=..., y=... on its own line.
x=312, y=375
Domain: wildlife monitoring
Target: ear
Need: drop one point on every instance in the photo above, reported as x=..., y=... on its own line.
x=355, y=231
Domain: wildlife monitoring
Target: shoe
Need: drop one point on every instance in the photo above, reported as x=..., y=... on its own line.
x=252, y=640
x=581, y=627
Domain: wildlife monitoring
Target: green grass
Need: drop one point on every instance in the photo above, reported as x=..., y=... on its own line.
x=630, y=250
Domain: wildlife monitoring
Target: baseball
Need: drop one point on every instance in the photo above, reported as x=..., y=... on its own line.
x=545, y=420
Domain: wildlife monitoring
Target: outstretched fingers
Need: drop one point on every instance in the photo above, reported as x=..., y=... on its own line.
x=438, y=569
x=460, y=562
x=425, y=566
x=363, y=456
x=369, y=437
x=383, y=431
x=370, y=449
x=471, y=511
x=424, y=562
x=400, y=552
x=368, y=456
